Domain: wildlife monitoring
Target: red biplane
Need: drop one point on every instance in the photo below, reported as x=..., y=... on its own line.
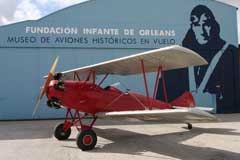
x=84, y=97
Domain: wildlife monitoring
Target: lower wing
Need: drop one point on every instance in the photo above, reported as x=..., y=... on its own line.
x=179, y=114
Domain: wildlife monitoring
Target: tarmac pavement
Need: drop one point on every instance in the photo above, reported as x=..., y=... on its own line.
x=124, y=140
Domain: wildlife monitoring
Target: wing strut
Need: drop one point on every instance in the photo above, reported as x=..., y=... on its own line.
x=159, y=74
x=145, y=83
x=106, y=75
x=91, y=74
x=76, y=75
x=157, y=81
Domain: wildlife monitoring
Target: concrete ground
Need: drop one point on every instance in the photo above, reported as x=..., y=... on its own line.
x=124, y=140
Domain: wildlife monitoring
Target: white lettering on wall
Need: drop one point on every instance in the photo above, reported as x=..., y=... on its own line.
x=155, y=32
x=100, y=31
x=52, y=30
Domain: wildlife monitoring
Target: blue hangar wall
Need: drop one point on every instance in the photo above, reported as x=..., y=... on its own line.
x=99, y=30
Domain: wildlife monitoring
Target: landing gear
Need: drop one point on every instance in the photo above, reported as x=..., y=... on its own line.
x=189, y=126
x=86, y=140
x=62, y=133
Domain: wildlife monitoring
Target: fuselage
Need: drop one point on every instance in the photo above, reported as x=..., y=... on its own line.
x=88, y=97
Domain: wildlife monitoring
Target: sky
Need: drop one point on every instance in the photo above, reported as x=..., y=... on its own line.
x=12, y=11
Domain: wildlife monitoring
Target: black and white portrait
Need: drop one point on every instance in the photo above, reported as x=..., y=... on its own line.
x=211, y=84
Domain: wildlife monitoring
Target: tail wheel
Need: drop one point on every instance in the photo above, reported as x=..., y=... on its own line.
x=189, y=126
x=59, y=132
x=86, y=139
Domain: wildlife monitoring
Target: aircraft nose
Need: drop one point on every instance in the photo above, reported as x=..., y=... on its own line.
x=53, y=95
x=59, y=85
x=49, y=88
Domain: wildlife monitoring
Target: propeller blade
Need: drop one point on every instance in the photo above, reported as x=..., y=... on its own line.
x=45, y=86
x=49, y=78
x=36, y=107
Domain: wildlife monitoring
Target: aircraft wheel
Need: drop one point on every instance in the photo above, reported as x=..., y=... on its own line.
x=86, y=139
x=189, y=126
x=60, y=134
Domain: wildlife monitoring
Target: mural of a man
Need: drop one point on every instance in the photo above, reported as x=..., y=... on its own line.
x=216, y=81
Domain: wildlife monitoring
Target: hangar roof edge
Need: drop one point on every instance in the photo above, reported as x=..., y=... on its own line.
x=25, y=21
x=78, y=4
x=86, y=2
x=226, y=4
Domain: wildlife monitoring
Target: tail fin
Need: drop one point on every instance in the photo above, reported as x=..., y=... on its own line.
x=185, y=100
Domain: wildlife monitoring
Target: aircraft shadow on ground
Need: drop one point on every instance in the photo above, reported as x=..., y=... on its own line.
x=132, y=143
x=44, y=129
x=126, y=142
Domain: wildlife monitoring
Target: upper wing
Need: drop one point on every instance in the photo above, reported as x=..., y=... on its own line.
x=169, y=58
x=164, y=115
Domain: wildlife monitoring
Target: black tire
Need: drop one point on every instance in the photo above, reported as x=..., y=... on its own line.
x=60, y=134
x=86, y=140
x=189, y=126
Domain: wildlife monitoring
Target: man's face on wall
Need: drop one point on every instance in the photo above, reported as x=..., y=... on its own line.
x=201, y=29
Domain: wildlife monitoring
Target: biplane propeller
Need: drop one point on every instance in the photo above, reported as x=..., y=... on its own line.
x=78, y=92
x=44, y=88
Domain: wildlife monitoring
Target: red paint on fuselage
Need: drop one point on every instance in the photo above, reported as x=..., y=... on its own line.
x=90, y=98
